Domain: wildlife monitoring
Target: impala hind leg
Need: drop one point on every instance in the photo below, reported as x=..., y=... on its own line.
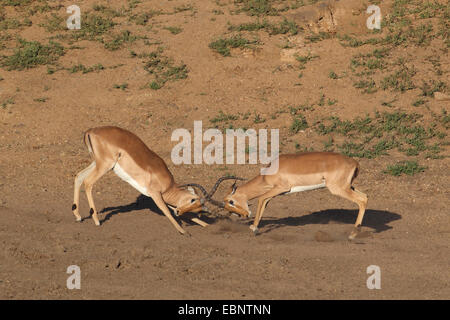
x=97, y=173
x=78, y=182
x=357, y=197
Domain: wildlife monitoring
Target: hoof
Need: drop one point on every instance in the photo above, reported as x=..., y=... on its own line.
x=354, y=233
x=352, y=236
x=254, y=229
x=185, y=233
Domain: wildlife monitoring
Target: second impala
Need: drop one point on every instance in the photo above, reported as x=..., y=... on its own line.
x=300, y=172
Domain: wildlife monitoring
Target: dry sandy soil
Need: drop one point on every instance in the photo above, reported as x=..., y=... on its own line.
x=136, y=253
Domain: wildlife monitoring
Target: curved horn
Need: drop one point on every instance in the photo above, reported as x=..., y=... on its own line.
x=220, y=180
x=205, y=193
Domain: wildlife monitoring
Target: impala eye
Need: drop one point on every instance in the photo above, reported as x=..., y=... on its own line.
x=193, y=200
x=231, y=202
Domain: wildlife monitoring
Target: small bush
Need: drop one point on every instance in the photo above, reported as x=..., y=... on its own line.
x=223, y=45
x=404, y=167
x=31, y=54
x=298, y=123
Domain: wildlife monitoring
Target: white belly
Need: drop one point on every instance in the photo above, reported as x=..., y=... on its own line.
x=307, y=188
x=126, y=177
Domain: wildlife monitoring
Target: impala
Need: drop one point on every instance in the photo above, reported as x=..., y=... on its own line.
x=296, y=173
x=113, y=148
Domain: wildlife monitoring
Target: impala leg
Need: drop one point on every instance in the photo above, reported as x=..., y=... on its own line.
x=357, y=197
x=78, y=181
x=362, y=208
x=262, y=203
x=254, y=226
x=97, y=173
x=163, y=207
x=200, y=222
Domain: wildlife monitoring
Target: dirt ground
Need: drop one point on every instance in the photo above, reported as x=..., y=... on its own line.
x=302, y=251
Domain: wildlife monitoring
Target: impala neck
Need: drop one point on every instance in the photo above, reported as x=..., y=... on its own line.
x=254, y=188
x=172, y=195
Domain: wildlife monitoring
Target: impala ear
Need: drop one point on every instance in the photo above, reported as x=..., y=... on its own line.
x=233, y=188
x=191, y=190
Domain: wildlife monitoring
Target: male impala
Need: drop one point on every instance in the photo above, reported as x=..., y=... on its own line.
x=300, y=172
x=129, y=157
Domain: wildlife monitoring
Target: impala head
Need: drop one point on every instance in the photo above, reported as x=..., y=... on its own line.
x=237, y=202
x=188, y=201
x=234, y=202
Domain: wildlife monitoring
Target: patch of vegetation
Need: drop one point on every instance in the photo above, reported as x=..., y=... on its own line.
x=405, y=27
x=404, y=167
x=7, y=102
x=13, y=23
x=163, y=69
x=371, y=137
x=418, y=102
x=83, y=69
x=122, y=86
x=305, y=59
x=41, y=100
x=54, y=23
x=132, y=4
x=15, y=3
x=401, y=80
x=174, y=30
x=316, y=37
x=222, y=117
x=45, y=7
x=333, y=75
x=30, y=54
x=284, y=27
x=258, y=119
x=256, y=7
x=143, y=17
x=348, y=41
x=94, y=27
x=331, y=102
x=430, y=87
x=108, y=11
x=298, y=123
x=223, y=45
x=119, y=40
x=444, y=118
x=369, y=85
x=366, y=65
x=370, y=61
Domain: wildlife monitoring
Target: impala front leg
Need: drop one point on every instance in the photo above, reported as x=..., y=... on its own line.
x=163, y=207
x=262, y=203
x=79, y=179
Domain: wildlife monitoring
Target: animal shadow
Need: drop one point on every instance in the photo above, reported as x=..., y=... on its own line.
x=375, y=219
x=144, y=203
